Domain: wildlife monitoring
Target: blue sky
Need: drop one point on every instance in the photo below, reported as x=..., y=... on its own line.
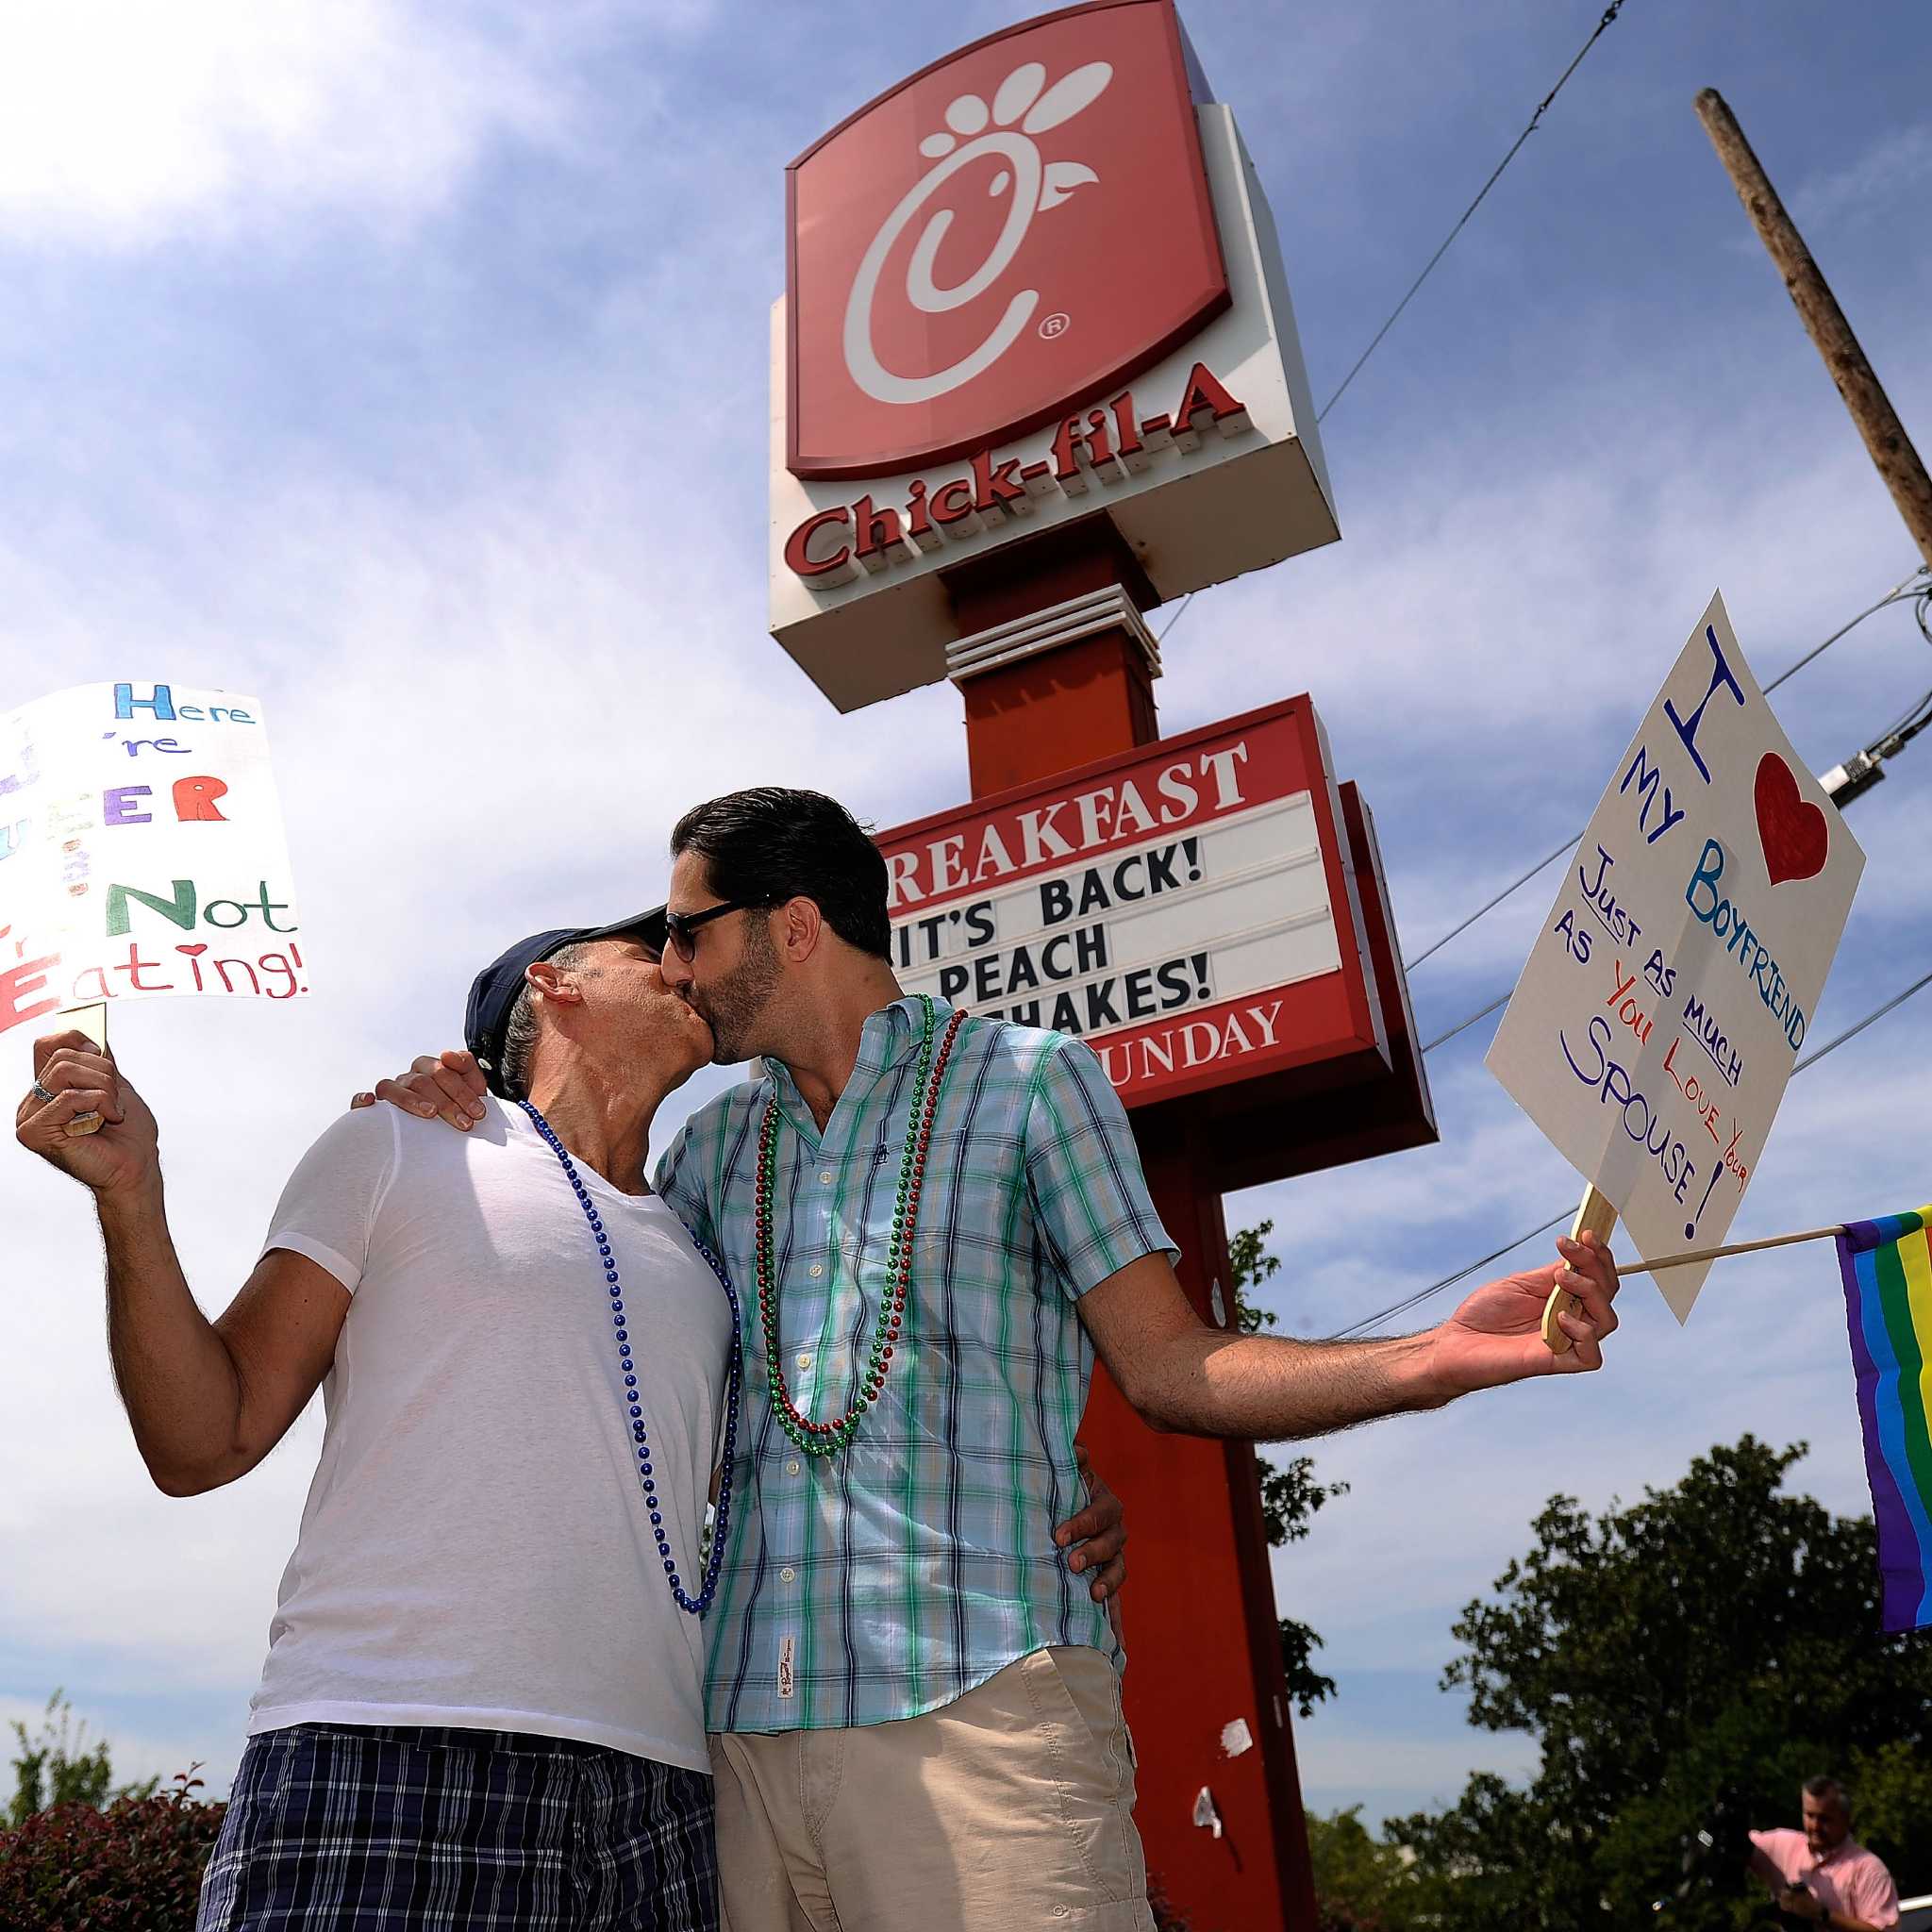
x=406, y=366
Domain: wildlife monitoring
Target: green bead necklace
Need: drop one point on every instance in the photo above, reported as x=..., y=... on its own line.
x=828, y=1438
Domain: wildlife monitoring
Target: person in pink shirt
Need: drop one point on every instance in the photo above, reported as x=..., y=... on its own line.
x=1823, y=1874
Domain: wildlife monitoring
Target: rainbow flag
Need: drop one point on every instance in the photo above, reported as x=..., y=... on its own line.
x=1887, y=1265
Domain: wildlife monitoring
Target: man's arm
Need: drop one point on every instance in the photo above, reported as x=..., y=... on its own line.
x=1799, y=1902
x=208, y=1400
x=1181, y=1374
x=1091, y=1208
x=1763, y=1868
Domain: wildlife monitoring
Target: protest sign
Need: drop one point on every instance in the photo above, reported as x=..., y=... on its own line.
x=1670, y=991
x=142, y=852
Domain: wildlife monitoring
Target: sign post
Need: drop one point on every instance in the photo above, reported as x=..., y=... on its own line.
x=1034, y=373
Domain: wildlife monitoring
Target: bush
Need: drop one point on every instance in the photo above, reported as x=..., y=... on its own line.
x=135, y=1867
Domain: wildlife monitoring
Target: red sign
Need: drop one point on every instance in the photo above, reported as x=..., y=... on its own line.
x=1192, y=910
x=832, y=545
x=1018, y=226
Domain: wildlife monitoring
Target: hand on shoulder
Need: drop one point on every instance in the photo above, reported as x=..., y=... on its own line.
x=447, y=1087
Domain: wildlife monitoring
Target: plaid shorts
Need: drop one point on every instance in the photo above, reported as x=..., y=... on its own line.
x=337, y=1828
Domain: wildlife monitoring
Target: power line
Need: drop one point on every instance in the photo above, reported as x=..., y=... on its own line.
x=1852, y=1032
x=1611, y=13
x=1462, y=1025
x=1423, y=1294
x=1898, y=594
x=1907, y=588
x=1420, y=1295
x=1488, y=905
x=1887, y=746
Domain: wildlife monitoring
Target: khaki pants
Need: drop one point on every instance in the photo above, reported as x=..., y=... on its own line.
x=1007, y=1810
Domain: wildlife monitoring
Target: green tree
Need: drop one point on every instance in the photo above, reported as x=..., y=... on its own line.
x=1716, y=1643
x=1289, y=1493
x=1361, y=1884
x=56, y=1765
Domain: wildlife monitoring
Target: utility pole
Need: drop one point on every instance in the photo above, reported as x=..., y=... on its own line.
x=1885, y=436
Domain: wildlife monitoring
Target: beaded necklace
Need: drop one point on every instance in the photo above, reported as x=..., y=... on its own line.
x=827, y=1439
x=694, y=1605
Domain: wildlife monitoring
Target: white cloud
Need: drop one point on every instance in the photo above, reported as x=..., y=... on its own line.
x=126, y=124
x=1891, y=180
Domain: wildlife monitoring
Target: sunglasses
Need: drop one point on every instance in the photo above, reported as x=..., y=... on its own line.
x=681, y=929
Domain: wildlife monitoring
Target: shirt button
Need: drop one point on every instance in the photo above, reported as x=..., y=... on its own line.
x=816, y=1269
x=804, y=1362
x=785, y=1574
x=791, y=1467
x=826, y=1175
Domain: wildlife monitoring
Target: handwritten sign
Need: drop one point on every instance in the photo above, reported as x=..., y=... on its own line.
x=1190, y=908
x=1672, y=986
x=142, y=852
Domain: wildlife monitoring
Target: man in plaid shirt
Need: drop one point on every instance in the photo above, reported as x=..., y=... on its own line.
x=935, y=1222
x=916, y=1713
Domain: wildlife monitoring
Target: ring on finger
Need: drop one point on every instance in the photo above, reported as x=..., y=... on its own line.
x=41, y=1092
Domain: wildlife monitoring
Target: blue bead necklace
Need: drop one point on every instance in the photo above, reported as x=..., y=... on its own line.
x=694, y=1605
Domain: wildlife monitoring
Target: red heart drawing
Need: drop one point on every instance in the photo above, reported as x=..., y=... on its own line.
x=1793, y=834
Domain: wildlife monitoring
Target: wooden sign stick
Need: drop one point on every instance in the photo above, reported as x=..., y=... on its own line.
x=92, y=1021
x=1776, y=1240
x=1597, y=1215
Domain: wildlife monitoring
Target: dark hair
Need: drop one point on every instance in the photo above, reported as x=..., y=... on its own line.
x=768, y=844
x=1827, y=1788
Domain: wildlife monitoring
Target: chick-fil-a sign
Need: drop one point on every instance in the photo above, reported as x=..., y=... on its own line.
x=1021, y=224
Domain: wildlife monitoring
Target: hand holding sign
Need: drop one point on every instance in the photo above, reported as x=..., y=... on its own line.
x=122, y=1156
x=1497, y=1335
x=1654, y=1028
x=90, y=1024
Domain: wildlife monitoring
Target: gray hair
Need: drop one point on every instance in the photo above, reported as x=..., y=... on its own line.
x=521, y=1030
x=1824, y=1788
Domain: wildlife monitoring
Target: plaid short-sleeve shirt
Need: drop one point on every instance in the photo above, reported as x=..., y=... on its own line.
x=894, y=1577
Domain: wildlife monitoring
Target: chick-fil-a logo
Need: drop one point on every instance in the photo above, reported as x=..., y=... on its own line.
x=1025, y=222
x=1031, y=184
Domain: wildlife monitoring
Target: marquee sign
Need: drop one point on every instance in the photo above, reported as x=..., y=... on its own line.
x=1033, y=283
x=1192, y=910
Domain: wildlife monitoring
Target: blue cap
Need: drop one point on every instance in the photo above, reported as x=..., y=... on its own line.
x=494, y=991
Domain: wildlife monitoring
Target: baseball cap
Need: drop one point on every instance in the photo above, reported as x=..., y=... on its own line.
x=494, y=991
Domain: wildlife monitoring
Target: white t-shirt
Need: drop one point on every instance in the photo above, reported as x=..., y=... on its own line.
x=476, y=1550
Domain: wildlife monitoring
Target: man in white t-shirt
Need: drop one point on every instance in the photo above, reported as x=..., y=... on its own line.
x=482, y=1702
